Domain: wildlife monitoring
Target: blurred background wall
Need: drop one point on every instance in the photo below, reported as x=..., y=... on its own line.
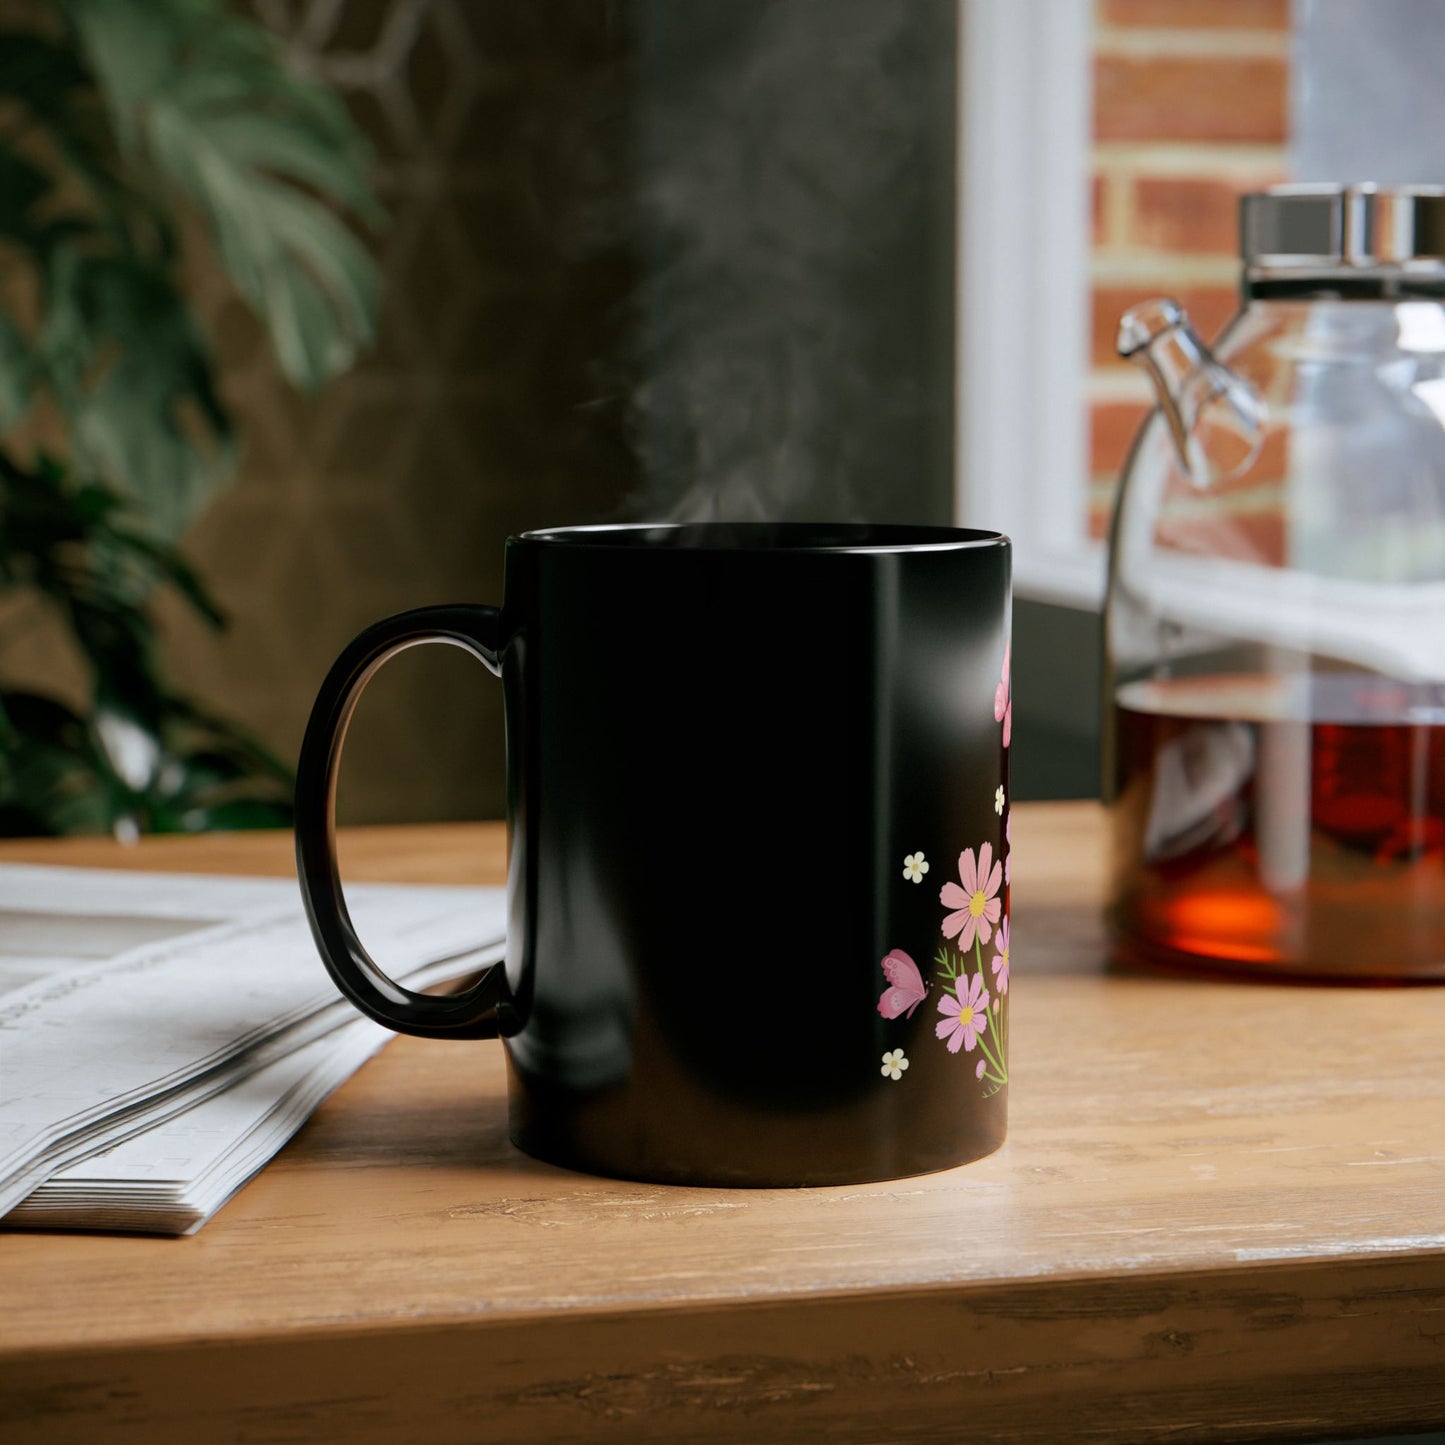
x=682, y=258
x=644, y=258
x=481, y=411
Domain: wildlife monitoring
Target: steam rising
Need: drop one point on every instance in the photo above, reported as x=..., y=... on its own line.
x=791, y=329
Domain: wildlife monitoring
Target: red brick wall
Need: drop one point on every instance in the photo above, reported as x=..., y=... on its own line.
x=1190, y=110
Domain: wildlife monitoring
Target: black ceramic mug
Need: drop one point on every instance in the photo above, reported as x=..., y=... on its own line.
x=758, y=880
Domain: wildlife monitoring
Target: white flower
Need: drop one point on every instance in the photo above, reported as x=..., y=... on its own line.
x=998, y=800
x=894, y=1064
x=915, y=865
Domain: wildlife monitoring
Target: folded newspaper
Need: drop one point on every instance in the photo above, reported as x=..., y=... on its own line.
x=161, y=1036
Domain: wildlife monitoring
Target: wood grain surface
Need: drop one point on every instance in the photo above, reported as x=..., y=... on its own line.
x=1220, y=1214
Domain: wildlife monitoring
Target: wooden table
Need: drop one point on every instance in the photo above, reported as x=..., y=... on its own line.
x=1220, y=1213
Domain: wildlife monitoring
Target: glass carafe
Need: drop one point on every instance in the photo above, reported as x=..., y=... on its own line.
x=1275, y=624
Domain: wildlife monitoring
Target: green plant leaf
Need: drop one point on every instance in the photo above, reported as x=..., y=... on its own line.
x=72, y=546
x=22, y=186
x=134, y=378
x=16, y=374
x=225, y=737
x=274, y=144
x=234, y=814
x=263, y=151
x=54, y=97
x=111, y=118
x=169, y=566
x=59, y=775
x=37, y=72
x=49, y=783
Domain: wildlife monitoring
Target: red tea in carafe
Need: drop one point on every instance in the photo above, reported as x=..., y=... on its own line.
x=1281, y=824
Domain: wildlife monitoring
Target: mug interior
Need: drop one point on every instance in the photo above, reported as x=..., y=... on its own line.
x=768, y=536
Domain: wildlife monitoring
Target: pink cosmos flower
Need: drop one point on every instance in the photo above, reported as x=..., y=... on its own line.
x=976, y=903
x=965, y=1017
x=1003, y=707
x=1000, y=961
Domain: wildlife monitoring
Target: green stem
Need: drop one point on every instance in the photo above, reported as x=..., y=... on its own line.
x=992, y=1058
x=983, y=1048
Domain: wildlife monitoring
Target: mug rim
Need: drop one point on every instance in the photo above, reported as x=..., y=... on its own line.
x=766, y=537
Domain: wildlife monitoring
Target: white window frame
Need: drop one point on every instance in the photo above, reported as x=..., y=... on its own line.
x=1021, y=443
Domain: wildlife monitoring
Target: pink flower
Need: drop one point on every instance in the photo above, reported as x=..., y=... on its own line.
x=1008, y=837
x=966, y=1017
x=1003, y=708
x=976, y=902
x=1000, y=961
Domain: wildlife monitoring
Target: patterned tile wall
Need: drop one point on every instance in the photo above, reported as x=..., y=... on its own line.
x=646, y=257
x=479, y=414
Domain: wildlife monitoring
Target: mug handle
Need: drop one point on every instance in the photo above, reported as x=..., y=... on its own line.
x=471, y=1014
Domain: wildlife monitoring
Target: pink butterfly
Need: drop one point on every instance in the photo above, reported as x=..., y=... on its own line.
x=908, y=989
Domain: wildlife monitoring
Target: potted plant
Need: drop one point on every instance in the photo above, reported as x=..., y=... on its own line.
x=128, y=130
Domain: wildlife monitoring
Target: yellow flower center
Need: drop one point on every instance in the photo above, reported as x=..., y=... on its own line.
x=977, y=903
x=965, y=1015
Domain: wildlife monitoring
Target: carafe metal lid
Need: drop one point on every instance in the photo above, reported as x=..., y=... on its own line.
x=1329, y=227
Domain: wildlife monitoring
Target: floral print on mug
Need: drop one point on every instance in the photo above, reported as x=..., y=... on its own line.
x=972, y=965
x=972, y=998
